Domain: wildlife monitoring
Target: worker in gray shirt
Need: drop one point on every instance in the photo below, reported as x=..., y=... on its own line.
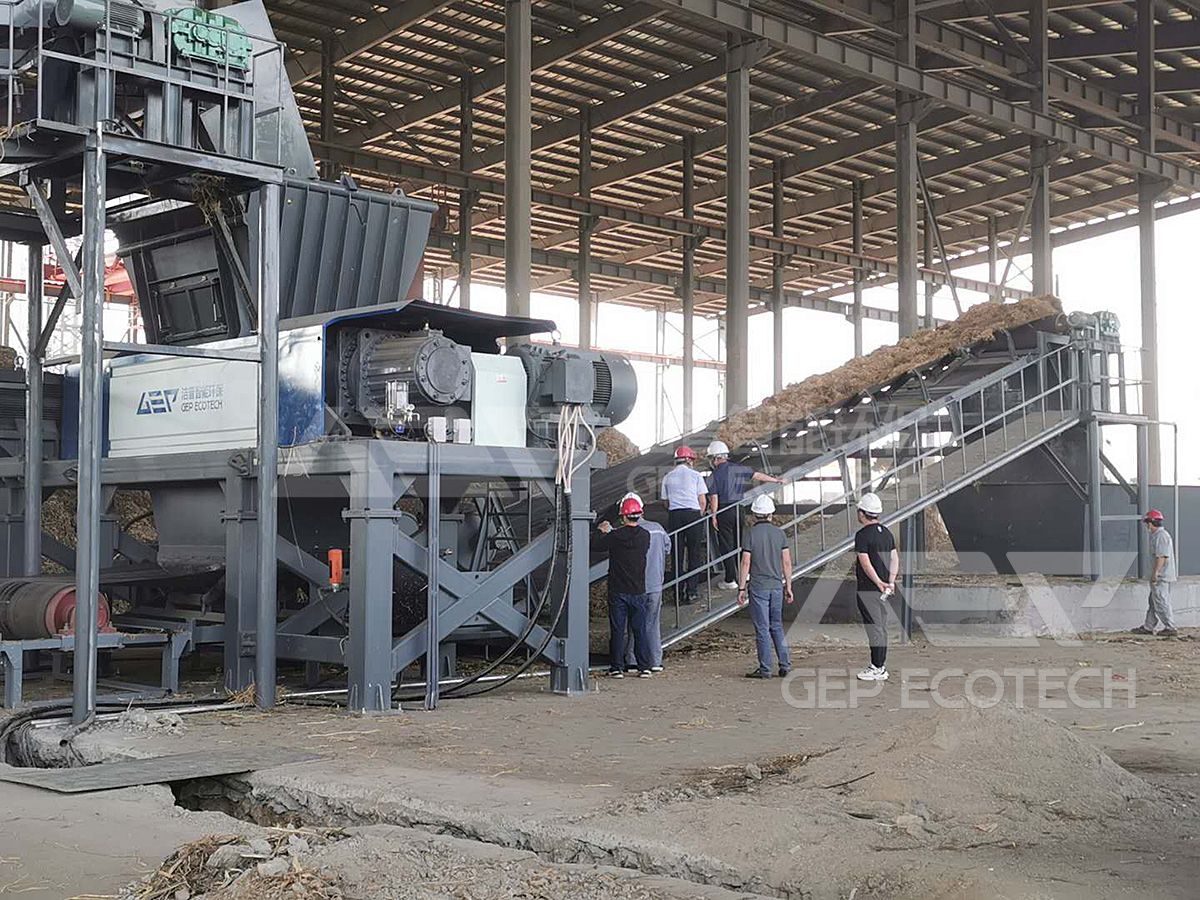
x=765, y=582
x=656, y=567
x=1163, y=574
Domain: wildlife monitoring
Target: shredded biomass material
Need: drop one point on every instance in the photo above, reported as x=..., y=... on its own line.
x=847, y=382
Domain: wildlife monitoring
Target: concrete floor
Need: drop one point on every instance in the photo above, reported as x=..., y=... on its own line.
x=636, y=775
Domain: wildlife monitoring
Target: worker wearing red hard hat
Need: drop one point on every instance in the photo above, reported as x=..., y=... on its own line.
x=1163, y=574
x=656, y=570
x=628, y=547
x=686, y=495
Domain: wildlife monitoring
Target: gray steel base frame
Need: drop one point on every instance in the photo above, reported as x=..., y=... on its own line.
x=371, y=475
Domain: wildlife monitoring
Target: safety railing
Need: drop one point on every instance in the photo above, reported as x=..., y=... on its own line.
x=917, y=459
x=225, y=72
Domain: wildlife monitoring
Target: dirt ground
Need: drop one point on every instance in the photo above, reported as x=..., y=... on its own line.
x=696, y=783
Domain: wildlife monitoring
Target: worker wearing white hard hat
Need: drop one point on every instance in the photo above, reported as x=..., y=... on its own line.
x=727, y=487
x=656, y=569
x=765, y=584
x=686, y=496
x=876, y=565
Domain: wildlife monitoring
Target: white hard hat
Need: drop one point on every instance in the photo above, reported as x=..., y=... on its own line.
x=632, y=495
x=717, y=448
x=763, y=505
x=870, y=504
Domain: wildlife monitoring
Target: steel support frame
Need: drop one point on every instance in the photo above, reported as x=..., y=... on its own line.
x=466, y=195
x=777, y=282
x=737, y=230
x=1040, y=153
x=518, y=154
x=687, y=287
x=587, y=224
x=1149, y=190
x=908, y=114
x=34, y=290
x=270, y=213
x=856, y=239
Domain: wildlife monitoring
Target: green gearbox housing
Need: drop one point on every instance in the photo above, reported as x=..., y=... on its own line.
x=199, y=34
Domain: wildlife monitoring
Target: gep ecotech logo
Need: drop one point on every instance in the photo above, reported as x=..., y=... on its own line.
x=197, y=398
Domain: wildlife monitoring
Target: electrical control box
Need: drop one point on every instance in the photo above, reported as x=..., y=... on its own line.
x=498, y=397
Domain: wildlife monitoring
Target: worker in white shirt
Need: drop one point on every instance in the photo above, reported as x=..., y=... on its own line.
x=686, y=494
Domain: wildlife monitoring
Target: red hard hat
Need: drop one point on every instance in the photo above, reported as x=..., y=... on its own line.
x=685, y=452
x=1153, y=516
x=631, y=507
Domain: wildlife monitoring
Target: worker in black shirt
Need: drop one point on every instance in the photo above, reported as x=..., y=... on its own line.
x=628, y=547
x=877, y=563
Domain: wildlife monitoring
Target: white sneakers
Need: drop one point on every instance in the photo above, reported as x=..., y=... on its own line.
x=729, y=585
x=873, y=673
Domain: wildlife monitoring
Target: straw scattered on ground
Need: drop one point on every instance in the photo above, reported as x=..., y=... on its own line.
x=829, y=389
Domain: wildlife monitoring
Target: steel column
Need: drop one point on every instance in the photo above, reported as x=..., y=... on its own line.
x=328, y=95
x=993, y=257
x=33, y=416
x=927, y=254
x=583, y=276
x=687, y=288
x=372, y=551
x=737, y=233
x=570, y=676
x=777, y=282
x=1040, y=153
x=91, y=374
x=518, y=144
x=466, y=196
x=1148, y=191
x=1143, y=498
x=1145, y=74
x=1095, y=523
x=856, y=227
x=270, y=211
x=241, y=576
x=433, y=588
x=906, y=172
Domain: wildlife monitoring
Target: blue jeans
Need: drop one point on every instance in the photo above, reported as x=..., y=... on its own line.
x=766, y=612
x=625, y=610
x=653, y=632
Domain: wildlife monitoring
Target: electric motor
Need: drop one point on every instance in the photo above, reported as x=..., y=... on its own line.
x=603, y=384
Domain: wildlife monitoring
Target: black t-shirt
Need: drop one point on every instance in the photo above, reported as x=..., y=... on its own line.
x=627, y=546
x=877, y=542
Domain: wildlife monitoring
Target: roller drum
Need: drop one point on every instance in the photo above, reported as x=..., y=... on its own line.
x=41, y=609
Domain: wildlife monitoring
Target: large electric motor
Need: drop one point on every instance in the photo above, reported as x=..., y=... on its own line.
x=44, y=608
x=603, y=384
x=394, y=381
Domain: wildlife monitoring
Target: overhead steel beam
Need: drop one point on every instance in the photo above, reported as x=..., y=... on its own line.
x=377, y=29
x=614, y=110
x=963, y=10
x=1181, y=81
x=964, y=98
x=491, y=79
x=1117, y=42
x=961, y=47
x=810, y=161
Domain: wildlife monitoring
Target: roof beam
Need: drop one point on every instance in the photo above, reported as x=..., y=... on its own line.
x=962, y=10
x=491, y=79
x=989, y=58
x=1167, y=36
x=967, y=99
x=612, y=110
x=818, y=158
x=1179, y=81
x=305, y=64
